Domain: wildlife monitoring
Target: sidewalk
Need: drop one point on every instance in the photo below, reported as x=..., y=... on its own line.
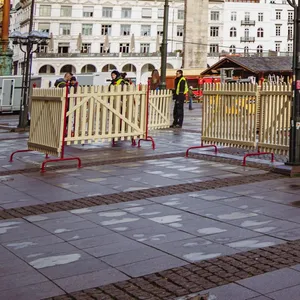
x=143, y=224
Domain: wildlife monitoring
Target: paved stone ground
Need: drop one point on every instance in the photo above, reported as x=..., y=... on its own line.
x=166, y=227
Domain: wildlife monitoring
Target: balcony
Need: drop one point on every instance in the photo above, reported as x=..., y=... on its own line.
x=213, y=54
x=246, y=39
x=248, y=22
x=74, y=55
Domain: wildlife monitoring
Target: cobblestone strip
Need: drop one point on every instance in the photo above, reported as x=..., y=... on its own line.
x=195, y=277
x=130, y=196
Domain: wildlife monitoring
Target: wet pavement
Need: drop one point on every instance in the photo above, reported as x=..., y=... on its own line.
x=53, y=254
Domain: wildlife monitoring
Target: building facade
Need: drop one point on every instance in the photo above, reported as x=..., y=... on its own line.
x=99, y=36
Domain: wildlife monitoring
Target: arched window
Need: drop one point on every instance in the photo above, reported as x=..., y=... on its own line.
x=259, y=49
x=246, y=50
x=260, y=32
x=232, y=32
x=232, y=49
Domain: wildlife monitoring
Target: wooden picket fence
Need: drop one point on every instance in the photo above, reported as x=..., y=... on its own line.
x=247, y=116
x=47, y=121
x=160, y=109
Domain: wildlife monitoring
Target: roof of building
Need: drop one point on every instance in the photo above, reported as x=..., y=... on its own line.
x=255, y=64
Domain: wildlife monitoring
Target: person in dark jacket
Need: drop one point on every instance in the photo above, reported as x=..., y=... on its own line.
x=154, y=80
x=179, y=95
x=62, y=82
x=116, y=79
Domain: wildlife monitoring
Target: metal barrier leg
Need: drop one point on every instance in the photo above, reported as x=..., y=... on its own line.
x=148, y=139
x=199, y=147
x=60, y=159
x=19, y=151
x=133, y=142
x=113, y=143
x=257, y=154
x=47, y=156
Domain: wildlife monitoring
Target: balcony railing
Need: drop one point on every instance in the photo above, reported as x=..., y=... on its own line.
x=70, y=55
x=213, y=54
x=290, y=37
x=245, y=39
x=248, y=22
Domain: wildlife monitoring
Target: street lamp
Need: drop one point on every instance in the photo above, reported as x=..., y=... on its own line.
x=294, y=149
x=27, y=43
x=164, y=47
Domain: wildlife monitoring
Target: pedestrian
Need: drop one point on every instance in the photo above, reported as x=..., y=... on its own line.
x=191, y=97
x=116, y=79
x=127, y=80
x=155, y=80
x=179, y=95
x=62, y=82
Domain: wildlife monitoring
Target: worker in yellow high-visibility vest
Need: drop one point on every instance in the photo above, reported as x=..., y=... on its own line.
x=181, y=89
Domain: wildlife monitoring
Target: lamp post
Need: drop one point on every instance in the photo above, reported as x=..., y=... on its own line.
x=27, y=43
x=294, y=147
x=164, y=47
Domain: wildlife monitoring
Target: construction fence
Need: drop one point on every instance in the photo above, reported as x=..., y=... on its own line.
x=247, y=116
x=89, y=114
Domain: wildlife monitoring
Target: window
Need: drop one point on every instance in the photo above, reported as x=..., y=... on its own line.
x=63, y=47
x=64, y=29
x=106, y=30
x=278, y=15
x=44, y=27
x=160, y=13
x=45, y=10
x=88, y=12
x=87, y=29
x=277, y=30
x=246, y=50
x=260, y=17
x=145, y=48
x=246, y=33
x=247, y=16
x=290, y=47
x=147, y=13
x=66, y=11
x=145, y=30
x=214, y=48
x=214, y=31
x=277, y=46
x=179, y=30
x=290, y=16
x=233, y=16
x=232, y=32
x=180, y=14
x=126, y=13
x=259, y=49
x=107, y=12
x=103, y=49
x=42, y=49
x=124, y=48
x=290, y=32
x=232, y=49
x=260, y=32
x=125, y=29
x=86, y=48
x=160, y=30
x=214, y=15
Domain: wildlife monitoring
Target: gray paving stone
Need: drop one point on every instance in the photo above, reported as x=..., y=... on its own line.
x=99, y=241
x=291, y=293
x=256, y=242
x=277, y=196
x=213, y=195
x=90, y=280
x=75, y=268
x=288, y=235
x=231, y=291
x=114, y=248
x=15, y=281
x=152, y=265
x=14, y=266
x=272, y=281
x=129, y=257
x=245, y=189
x=84, y=233
x=32, y=292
